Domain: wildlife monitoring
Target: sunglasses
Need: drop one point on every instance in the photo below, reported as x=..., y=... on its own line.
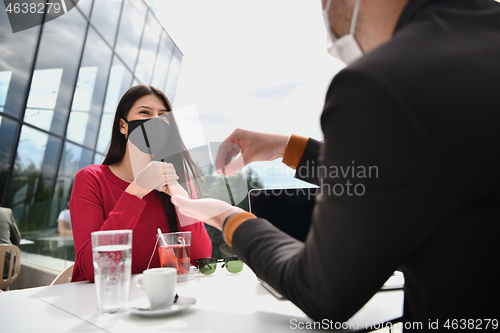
x=208, y=265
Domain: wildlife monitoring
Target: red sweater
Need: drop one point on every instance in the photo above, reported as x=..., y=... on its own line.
x=99, y=202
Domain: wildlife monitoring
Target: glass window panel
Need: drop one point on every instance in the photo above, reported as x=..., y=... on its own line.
x=140, y=6
x=34, y=169
x=33, y=180
x=5, y=77
x=105, y=15
x=129, y=34
x=73, y=159
x=119, y=82
x=60, y=50
x=105, y=132
x=149, y=46
x=153, y=23
x=89, y=93
x=43, y=97
x=84, y=88
x=98, y=158
x=84, y=6
x=8, y=132
x=173, y=75
x=163, y=61
x=17, y=53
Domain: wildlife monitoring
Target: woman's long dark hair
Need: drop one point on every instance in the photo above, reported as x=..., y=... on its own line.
x=183, y=162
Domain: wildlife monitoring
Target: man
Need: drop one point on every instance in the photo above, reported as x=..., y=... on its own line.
x=64, y=223
x=419, y=104
x=9, y=233
x=65, y=247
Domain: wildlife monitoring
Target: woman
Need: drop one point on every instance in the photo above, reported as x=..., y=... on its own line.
x=110, y=197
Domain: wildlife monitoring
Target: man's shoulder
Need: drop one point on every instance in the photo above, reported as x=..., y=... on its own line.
x=440, y=39
x=64, y=215
x=6, y=214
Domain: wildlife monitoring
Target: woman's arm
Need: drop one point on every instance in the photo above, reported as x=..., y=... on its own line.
x=89, y=202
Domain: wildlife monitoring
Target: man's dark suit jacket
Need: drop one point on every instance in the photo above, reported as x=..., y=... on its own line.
x=424, y=109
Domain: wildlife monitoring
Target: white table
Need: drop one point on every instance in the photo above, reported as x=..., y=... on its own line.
x=66, y=240
x=26, y=242
x=225, y=303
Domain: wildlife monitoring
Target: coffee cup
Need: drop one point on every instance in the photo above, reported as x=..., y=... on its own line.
x=159, y=285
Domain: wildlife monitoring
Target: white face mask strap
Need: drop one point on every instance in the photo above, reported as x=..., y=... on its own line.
x=354, y=16
x=328, y=3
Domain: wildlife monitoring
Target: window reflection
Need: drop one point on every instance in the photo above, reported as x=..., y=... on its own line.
x=12, y=46
x=43, y=97
x=139, y=6
x=173, y=75
x=98, y=158
x=105, y=15
x=8, y=131
x=4, y=87
x=119, y=81
x=68, y=95
x=79, y=116
x=35, y=165
x=89, y=93
x=129, y=33
x=163, y=61
x=149, y=46
x=73, y=159
x=105, y=132
x=56, y=67
x=84, y=6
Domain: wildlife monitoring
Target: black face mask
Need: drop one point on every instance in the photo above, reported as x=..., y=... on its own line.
x=149, y=135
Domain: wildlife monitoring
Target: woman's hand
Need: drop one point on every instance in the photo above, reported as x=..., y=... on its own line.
x=160, y=176
x=210, y=211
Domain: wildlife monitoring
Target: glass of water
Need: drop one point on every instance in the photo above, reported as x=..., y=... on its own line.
x=112, y=256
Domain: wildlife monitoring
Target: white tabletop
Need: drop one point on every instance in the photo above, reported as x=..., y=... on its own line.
x=225, y=303
x=26, y=242
x=57, y=238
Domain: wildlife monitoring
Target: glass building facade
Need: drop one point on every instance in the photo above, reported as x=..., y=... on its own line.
x=60, y=83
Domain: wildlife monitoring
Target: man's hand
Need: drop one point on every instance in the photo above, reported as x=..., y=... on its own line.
x=253, y=146
x=210, y=211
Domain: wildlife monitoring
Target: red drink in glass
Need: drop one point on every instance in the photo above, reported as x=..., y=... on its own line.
x=177, y=256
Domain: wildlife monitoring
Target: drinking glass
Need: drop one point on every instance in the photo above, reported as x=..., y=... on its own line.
x=175, y=251
x=112, y=256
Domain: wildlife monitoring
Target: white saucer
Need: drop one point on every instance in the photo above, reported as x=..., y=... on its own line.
x=141, y=307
